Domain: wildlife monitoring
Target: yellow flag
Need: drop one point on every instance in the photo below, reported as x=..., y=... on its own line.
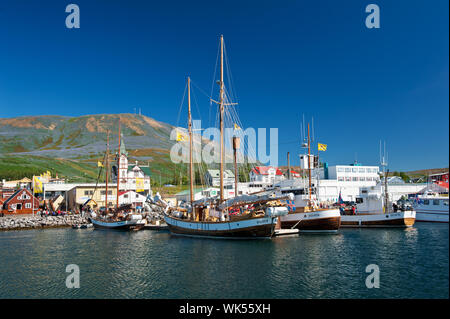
x=322, y=147
x=99, y=164
x=37, y=184
x=236, y=127
x=181, y=137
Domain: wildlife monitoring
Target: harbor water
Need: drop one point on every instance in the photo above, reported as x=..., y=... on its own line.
x=413, y=263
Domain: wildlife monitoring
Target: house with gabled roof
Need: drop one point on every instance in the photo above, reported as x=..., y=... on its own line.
x=21, y=202
x=266, y=174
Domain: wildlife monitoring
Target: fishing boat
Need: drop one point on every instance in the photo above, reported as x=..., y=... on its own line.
x=245, y=216
x=373, y=209
x=306, y=213
x=116, y=218
x=431, y=207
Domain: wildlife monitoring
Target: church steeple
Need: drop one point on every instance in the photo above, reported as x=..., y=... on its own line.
x=122, y=150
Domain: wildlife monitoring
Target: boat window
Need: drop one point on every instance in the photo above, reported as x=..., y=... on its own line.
x=435, y=201
x=362, y=170
x=355, y=179
x=426, y=202
x=445, y=202
x=364, y=191
x=354, y=170
x=340, y=169
x=348, y=169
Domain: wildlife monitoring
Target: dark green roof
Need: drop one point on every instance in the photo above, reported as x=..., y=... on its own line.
x=146, y=170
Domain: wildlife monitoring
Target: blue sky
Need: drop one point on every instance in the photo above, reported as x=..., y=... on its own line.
x=287, y=58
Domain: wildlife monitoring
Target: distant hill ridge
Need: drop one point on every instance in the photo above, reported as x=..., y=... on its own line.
x=78, y=137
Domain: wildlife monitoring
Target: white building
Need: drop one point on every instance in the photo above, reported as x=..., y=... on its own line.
x=131, y=197
x=266, y=174
x=355, y=173
x=212, y=177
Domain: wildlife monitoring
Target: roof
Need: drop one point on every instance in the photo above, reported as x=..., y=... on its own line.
x=216, y=172
x=264, y=170
x=17, y=192
x=144, y=169
x=186, y=192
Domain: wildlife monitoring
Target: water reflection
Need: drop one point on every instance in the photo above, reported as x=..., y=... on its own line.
x=413, y=264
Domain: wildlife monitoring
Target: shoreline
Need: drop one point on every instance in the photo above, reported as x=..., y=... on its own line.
x=8, y=223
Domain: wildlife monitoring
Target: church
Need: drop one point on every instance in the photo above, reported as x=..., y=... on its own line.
x=132, y=177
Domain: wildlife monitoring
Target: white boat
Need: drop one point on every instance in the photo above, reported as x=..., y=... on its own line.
x=306, y=213
x=373, y=211
x=431, y=208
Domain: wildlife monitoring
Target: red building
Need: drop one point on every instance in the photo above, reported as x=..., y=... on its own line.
x=21, y=202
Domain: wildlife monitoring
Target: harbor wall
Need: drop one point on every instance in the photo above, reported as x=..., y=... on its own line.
x=38, y=222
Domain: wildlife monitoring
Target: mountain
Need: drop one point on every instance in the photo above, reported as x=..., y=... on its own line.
x=71, y=146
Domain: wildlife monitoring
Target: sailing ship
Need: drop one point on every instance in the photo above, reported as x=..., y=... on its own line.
x=306, y=213
x=116, y=218
x=373, y=208
x=245, y=216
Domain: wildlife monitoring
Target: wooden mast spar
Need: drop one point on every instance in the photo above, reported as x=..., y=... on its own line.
x=222, y=153
x=107, y=169
x=309, y=167
x=118, y=170
x=191, y=172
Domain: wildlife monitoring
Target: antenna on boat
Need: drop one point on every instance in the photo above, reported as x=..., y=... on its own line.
x=303, y=137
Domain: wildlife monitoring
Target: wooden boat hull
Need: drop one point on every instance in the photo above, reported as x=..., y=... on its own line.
x=254, y=228
x=328, y=220
x=118, y=225
x=397, y=219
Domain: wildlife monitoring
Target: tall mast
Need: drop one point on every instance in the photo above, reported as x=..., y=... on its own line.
x=309, y=166
x=107, y=169
x=191, y=172
x=118, y=170
x=236, y=145
x=222, y=154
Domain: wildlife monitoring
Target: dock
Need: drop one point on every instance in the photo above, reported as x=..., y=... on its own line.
x=285, y=232
x=156, y=227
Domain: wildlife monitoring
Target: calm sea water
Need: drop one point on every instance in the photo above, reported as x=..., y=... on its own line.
x=414, y=263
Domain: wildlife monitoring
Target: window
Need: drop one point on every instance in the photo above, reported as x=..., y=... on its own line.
x=86, y=192
x=348, y=170
x=445, y=202
x=426, y=202
x=354, y=170
x=362, y=170
x=435, y=201
x=348, y=179
x=340, y=169
x=355, y=179
x=19, y=206
x=362, y=179
x=125, y=196
x=341, y=179
x=28, y=205
x=359, y=200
